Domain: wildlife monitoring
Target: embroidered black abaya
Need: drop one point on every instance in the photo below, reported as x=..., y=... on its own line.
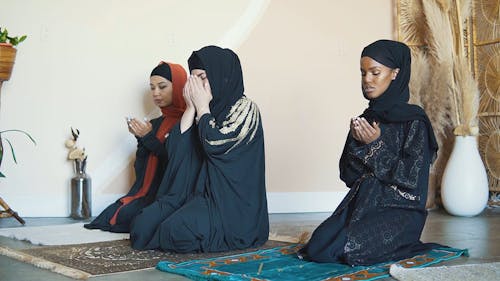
x=383, y=215
x=216, y=196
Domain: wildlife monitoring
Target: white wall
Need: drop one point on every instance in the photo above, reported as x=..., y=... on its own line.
x=86, y=64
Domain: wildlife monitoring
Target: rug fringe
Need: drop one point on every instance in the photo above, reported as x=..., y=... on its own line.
x=41, y=263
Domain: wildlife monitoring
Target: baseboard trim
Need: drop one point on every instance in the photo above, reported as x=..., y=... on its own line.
x=277, y=202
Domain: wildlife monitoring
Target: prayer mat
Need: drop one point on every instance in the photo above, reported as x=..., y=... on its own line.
x=281, y=263
x=82, y=261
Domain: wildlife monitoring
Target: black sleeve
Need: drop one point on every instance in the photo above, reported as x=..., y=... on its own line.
x=152, y=144
x=239, y=130
x=392, y=166
x=351, y=168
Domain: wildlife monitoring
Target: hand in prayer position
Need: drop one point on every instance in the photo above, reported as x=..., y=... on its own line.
x=139, y=128
x=200, y=94
x=186, y=93
x=363, y=132
x=197, y=96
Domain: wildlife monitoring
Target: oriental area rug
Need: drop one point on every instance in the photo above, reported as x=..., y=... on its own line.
x=82, y=261
x=281, y=263
x=76, y=252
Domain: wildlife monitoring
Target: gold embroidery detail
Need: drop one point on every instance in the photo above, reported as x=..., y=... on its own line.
x=212, y=123
x=404, y=194
x=372, y=151
x=244, y=115
x=237, y=115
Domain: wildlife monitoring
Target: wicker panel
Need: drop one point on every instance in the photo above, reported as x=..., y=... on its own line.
x=486, y=49
x=483, y=31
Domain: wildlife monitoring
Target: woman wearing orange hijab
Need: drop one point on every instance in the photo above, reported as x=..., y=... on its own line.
x=213, y=194
x=166, y=81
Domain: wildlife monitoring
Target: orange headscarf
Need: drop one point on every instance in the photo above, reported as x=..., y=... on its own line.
x=172, y=114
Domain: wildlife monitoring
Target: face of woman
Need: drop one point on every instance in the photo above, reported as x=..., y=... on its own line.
x=375, y=77
x=161, y=90
x=202, y=74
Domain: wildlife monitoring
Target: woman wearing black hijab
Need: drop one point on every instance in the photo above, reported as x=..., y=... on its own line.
x=385, y=163
x=216, y=198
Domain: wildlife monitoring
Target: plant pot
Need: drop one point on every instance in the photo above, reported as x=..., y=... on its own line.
x=7, y=58
x=464, y=187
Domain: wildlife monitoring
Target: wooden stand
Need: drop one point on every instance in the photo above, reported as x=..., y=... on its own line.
x=9, y=212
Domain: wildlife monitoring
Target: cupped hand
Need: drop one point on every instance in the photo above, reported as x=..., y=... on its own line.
x=363, y=132
x=139, y=128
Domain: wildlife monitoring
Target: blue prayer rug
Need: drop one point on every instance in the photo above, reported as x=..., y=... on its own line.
x=281, y=263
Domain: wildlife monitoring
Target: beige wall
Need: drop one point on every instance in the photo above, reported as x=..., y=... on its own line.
x=86, y=64
x=301, y=65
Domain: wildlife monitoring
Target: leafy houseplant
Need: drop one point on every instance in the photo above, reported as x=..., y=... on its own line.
x=7, y=58
x=7, y=53
x=5, y=38
x=10, y=145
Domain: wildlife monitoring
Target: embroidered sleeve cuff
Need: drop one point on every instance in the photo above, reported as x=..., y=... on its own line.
x=365, y=152
x=372, y=150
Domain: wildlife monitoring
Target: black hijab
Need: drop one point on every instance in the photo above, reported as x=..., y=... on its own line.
x=163, y=70
x=224, y=74
x=392, y=106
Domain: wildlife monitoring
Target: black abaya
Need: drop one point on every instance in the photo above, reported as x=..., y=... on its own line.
x=213, y=194
x=145, y=146
x=216, y=200
x=383, y=215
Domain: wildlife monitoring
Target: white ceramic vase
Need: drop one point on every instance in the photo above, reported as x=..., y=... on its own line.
x=464, y=187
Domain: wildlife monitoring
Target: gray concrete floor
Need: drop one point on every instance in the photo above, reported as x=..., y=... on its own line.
x=479, y=234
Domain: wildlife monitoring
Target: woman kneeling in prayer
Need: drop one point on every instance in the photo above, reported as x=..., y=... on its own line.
x=385, y=163
x=166, y=81
x=213, y=195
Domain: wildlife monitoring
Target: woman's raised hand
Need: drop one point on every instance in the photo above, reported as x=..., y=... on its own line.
x=139, y=128
x=363, y=132
x=186, y=93
x=200, y=94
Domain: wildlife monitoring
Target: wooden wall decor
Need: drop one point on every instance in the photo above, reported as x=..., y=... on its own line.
x=485, y=38
x=481, y=29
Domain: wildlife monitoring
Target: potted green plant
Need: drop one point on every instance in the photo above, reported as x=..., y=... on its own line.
x=8, y=53
x=7, y=57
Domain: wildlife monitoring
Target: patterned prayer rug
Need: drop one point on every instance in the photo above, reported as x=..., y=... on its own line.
x=281, y=263
x=82, y=261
